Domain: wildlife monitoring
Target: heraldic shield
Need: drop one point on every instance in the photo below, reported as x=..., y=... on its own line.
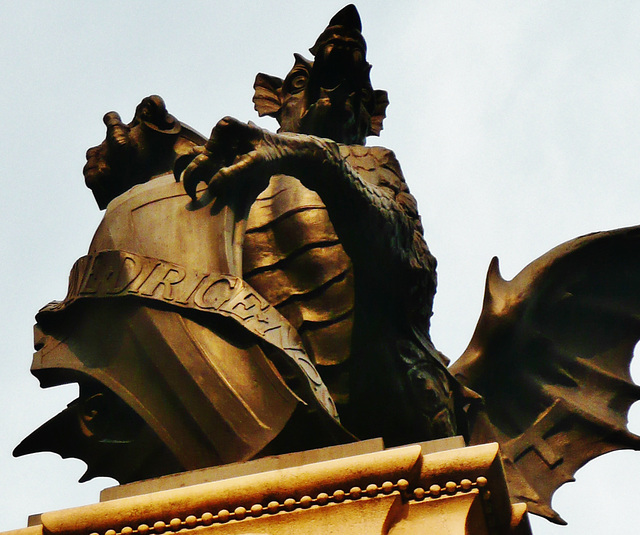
x=159, y=329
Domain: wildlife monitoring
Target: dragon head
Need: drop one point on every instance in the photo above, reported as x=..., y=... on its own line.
x=332, y=96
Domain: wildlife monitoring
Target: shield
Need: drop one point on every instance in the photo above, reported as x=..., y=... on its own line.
x=158, y=314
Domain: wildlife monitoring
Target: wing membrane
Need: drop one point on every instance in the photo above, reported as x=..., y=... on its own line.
x=550, y=357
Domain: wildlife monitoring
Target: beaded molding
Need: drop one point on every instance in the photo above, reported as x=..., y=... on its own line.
x=450, y=488
x=355, y=493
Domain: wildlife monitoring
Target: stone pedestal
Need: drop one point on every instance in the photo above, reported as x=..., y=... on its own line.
x=395, y=491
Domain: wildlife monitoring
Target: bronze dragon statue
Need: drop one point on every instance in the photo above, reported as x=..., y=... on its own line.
x=277, y=296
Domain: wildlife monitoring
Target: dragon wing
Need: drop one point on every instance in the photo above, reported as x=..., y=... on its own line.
x=550, y=357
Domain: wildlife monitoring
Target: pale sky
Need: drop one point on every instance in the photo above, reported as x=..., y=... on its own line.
x=517, y=125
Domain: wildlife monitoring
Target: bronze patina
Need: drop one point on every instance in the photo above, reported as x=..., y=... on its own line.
x=259, y=292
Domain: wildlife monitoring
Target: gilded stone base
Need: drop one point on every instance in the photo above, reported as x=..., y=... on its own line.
x=395, y=491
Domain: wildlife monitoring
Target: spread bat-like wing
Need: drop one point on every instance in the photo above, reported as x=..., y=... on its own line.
x=550, y=357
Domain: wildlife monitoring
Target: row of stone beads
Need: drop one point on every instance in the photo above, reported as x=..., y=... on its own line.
x=256, y=510
x=450, y=488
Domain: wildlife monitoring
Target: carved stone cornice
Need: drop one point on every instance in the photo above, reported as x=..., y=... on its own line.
x=395, y=491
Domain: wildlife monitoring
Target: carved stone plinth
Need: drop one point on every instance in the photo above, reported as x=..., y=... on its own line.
x=395, y=491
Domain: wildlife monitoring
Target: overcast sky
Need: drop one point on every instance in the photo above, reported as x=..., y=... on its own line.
x=517, y=124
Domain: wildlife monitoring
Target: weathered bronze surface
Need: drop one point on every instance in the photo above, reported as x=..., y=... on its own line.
x=134, y=153
x=277, y=296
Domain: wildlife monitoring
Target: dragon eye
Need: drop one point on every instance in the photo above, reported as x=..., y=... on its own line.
x=297, y=82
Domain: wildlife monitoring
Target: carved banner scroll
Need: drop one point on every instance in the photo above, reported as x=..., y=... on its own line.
x=115, y=273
